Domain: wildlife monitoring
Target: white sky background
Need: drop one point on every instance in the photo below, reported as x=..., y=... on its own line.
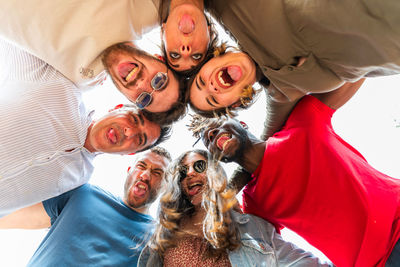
x=370, y=122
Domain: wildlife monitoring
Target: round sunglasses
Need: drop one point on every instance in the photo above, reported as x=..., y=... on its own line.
x=199, y=166
x=158, y=83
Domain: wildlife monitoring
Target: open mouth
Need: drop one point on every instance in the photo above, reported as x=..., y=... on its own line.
x=227, y=77
x=223, y=140
x=128, y=70
x=112, y=136
x=140, y=189
x=194, y=188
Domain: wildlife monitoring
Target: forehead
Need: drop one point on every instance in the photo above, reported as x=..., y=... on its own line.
x=151, y=158
x=192, y=157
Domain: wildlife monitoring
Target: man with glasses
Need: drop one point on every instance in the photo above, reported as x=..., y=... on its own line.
x=71, y=36
x=49, y=139
x=91, y=227
x=144, y=79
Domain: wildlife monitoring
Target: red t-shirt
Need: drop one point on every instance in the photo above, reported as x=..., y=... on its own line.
x=314, y=183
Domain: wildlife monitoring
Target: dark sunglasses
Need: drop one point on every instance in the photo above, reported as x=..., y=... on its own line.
x=158, y=83
x=199, y=166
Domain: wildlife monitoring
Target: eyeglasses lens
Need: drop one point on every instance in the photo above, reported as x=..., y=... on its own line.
x=159, y=81
x=143, y=100
x=200, y=166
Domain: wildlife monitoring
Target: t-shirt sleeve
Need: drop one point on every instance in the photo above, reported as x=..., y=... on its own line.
x=55, y=205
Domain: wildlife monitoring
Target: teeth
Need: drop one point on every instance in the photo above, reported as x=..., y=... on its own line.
x=195, y=184
x=127, y=78
x=225, y=144
x=141, y=186
x=222, y=80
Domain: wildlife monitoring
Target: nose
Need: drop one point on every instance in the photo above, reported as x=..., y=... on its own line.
x=129, y=132
x=212, y=88
x=185, y=49
x=190, y=171
x=145, y=175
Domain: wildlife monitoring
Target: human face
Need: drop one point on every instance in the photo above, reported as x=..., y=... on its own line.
x=221, y=81
x=225, y=140
x=144, y=179
x=193, y=183
x=186, y=36
x=133, y=71
x=122, y=132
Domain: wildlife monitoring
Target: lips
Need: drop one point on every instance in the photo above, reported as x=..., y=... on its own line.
x=227, y=77
x=112, y=136
x=223, y=141
x=140, y=189
x=194, y=188
x=128, y=70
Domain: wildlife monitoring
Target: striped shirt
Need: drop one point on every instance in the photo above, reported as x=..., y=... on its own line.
x=43, y=128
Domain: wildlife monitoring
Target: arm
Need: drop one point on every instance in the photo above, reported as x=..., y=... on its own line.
x=287, y=254
x=337, y=98
x=32, y=217
x=276, y=115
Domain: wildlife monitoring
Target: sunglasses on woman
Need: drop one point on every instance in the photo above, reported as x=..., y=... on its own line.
x=158, y=83
x=199, y=166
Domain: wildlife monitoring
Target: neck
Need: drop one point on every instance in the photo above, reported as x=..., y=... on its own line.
x=252, y=155
x=145, y=209
x=198, y=3
x=88, y=144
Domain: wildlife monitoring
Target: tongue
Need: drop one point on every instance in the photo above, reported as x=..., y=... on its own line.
x=186, y=24
x=235, y=72
x=125, y=68
x=139, y=192
x=195, y=190
x=112, y=136
x=221, y=141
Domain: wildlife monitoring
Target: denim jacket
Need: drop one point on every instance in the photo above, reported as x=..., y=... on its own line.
x=261, y=246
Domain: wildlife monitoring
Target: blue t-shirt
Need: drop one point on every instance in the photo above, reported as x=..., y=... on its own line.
x=91, y=227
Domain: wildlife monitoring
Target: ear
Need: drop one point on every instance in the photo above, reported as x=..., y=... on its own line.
x=160, y=57
x=236, y=104
x=244, y=125
x=116, y=107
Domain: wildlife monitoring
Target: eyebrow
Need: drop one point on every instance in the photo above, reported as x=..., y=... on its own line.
x=209, y=102
x=209, y=98
x=175, y=66
x=145, y=139
x=141, y=162
x=197, y=84
x=141, y=119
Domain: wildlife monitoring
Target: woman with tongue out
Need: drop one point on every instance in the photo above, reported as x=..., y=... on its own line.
x=198, y=227
x=188, y=37
x=223, y=83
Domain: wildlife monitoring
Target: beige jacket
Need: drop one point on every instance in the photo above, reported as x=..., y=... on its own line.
x=70, y=35
x=343, y=40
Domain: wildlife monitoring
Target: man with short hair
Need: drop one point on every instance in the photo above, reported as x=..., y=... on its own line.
x=72, y=35
x=48, y=138
x=308, y=179
x=91, y=227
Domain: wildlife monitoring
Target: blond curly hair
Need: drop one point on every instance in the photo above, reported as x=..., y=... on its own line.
x=218, y=229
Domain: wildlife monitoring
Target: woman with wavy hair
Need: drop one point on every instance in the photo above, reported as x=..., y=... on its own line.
x=199, y=227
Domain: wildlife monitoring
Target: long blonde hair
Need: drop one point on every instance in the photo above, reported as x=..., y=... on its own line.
x=218, y=228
